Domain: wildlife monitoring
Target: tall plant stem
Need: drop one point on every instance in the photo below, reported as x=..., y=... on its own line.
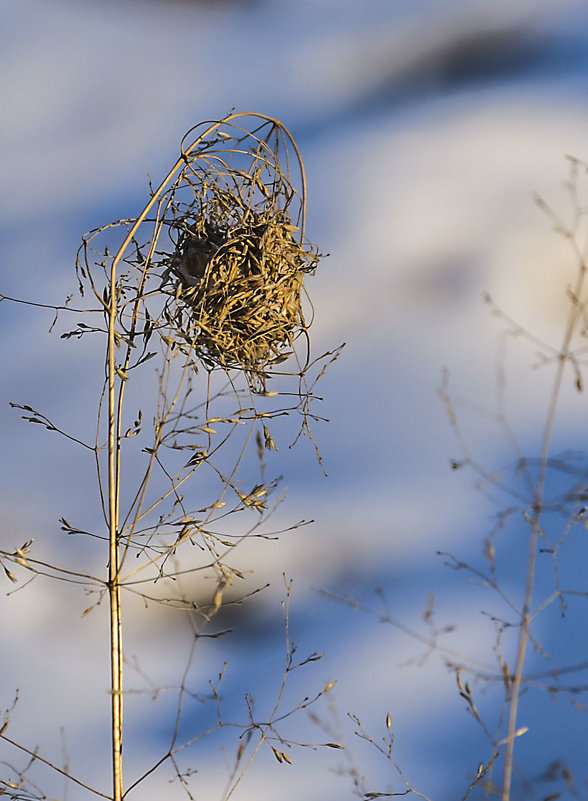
x=526, y=615
x=114, y=439
x=114, y=416
x=116, y=651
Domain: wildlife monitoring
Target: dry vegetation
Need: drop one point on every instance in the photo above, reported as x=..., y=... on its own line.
x=529, y=569
x=200, y=304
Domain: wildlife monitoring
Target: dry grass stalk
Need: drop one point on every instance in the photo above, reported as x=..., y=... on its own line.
x=208, y=282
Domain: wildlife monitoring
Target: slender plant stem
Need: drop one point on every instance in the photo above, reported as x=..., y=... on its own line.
x=114, y=440
x=116, y=647
x=38, y=758
x=116, y=679
x=564, y=354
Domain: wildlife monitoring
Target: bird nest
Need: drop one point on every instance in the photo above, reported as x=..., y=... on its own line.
x=242, y=291
x=240, y=258
x=216, y=261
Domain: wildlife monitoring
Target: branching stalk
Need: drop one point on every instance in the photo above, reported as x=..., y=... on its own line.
x=573, y=319
x=208, y=281
x=116, y=678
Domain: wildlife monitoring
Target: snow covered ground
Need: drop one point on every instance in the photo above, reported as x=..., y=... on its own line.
x=425, y=127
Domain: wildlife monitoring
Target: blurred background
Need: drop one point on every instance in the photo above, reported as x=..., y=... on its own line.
x=425, y=128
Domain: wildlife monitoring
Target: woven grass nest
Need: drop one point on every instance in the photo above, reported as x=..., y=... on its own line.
x=240, y=294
